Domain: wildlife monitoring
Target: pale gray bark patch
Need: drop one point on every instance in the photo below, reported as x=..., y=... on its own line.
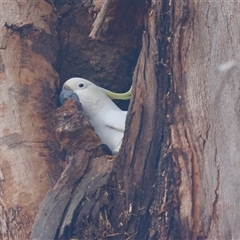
x=2, y=67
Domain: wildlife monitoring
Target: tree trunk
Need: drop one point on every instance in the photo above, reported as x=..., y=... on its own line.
x=205, y=136
x=28, y=150
x=170, y=179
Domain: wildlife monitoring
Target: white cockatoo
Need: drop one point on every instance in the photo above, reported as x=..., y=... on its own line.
x=107, y=119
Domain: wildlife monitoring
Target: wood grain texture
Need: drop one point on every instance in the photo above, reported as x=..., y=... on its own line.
x=80, y=186
x=207, y=113
x=176, y=175
x=28, y=83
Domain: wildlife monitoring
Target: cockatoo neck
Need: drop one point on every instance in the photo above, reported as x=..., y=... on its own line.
x=95, y=102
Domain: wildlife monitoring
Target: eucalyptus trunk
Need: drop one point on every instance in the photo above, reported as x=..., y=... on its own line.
x=29, y=153
x=176, y=174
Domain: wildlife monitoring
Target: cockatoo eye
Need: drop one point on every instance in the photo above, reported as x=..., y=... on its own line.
x=81, y=85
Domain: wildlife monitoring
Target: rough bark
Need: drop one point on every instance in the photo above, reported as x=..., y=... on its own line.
x=206, y=137
x=176, y=175
x=28, y=151
x=85, y=174
x=191, y=197
x=134, y=189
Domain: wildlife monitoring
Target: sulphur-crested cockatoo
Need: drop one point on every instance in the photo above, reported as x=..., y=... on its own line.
x=107, y=119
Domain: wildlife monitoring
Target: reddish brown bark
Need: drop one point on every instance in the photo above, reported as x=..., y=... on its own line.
x=28, y=150
x=176, y=175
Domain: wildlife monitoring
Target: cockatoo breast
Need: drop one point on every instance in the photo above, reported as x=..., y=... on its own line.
x=95, y=102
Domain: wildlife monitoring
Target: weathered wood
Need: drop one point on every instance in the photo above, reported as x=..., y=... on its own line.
x=143, y=172
x=101, y=16
x=206, y=136
x=191, y=195
x=79, y=186
x=28, y=150
x=137, y=176
x=176, y=175
x=72, y=128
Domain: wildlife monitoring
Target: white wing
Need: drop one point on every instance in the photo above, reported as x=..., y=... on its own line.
x=116, y=120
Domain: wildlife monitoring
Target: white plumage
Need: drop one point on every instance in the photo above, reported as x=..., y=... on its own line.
x=107, y=119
